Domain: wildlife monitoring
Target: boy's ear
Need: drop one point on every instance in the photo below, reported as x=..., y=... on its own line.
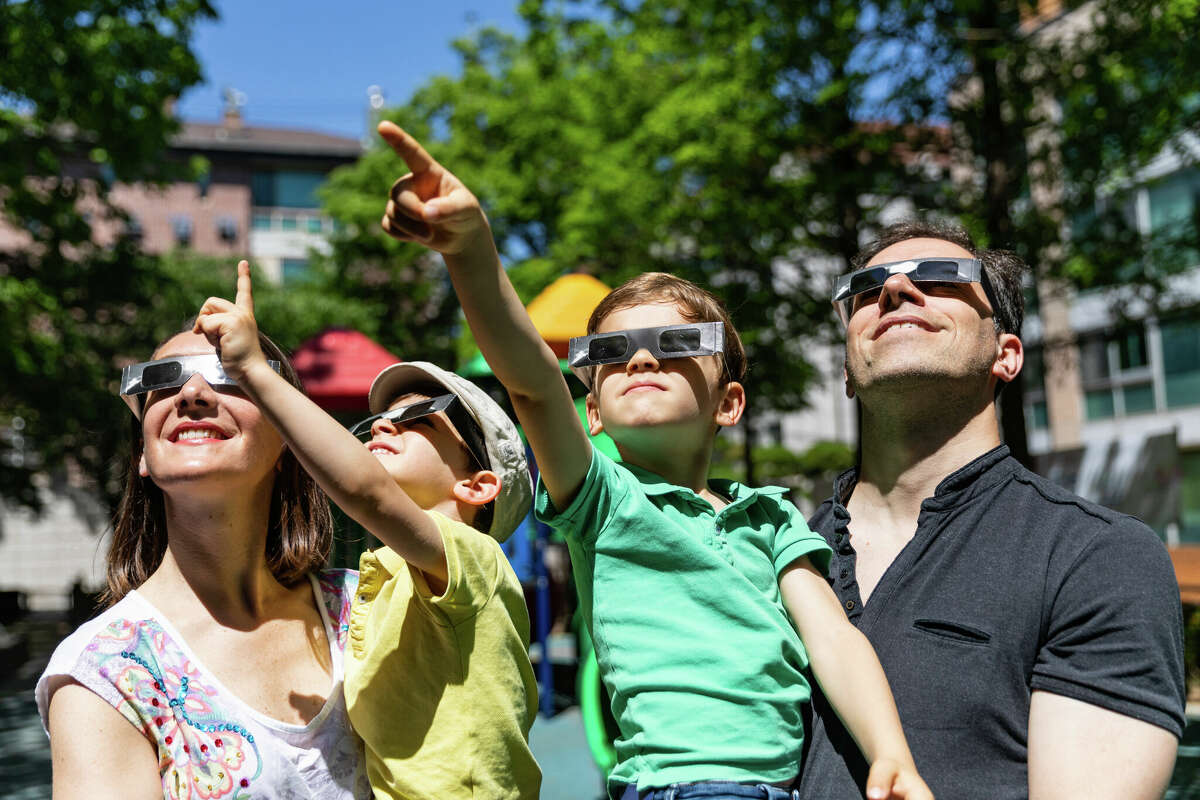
x=142, y=469
x=595, y=426
x=479, y=489
x=732, y=405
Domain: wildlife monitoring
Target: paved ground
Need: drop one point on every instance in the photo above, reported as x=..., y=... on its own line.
x=568, y=772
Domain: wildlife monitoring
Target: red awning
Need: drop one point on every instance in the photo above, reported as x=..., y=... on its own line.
x=337, y=367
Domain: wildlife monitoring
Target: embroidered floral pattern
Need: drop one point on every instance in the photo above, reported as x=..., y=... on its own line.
x=205, y=751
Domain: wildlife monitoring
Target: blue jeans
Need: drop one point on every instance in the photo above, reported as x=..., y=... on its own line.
x=712, y=790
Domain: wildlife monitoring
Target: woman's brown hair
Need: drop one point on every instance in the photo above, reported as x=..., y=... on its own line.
x=300, y=526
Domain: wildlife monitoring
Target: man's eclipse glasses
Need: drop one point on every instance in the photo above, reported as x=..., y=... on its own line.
x=462, y=421
x=918, y=270
x=668, y=341
x=168, y=373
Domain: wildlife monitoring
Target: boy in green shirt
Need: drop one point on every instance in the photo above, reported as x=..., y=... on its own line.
x=687, y=585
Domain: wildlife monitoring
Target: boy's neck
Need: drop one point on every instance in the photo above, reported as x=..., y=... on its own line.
x=686, y=468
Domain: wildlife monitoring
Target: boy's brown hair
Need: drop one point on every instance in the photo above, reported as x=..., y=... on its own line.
x=695, y=305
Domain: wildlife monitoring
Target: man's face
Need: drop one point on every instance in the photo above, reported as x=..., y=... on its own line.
x=905, y=334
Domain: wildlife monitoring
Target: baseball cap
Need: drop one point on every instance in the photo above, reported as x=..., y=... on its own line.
x=505, y=450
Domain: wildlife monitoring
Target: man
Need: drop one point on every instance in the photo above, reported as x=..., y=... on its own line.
x=1033, y=640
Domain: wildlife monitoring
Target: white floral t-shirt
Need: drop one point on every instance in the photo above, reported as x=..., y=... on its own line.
x=210, y=743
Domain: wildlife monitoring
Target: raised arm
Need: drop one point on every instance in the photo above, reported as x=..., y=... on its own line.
x=845, y=665
x=349, y=474
x=432, y=207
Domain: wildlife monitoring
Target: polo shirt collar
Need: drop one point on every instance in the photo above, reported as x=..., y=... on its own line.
x=977, y=474
x=738, y=493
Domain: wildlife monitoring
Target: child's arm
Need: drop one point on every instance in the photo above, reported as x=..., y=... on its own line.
x=345, y=469
x=432, y=207
x=849, y=673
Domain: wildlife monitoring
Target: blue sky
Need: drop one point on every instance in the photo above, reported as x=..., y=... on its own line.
x=307, y=64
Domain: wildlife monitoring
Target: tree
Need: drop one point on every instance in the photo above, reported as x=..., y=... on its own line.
x=1051, y=119
x=702, y=139
x=85, y=86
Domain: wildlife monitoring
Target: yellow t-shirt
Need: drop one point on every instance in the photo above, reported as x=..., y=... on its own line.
x=440, y=687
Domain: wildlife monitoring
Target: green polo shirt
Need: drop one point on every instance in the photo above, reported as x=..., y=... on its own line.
x=693, y=642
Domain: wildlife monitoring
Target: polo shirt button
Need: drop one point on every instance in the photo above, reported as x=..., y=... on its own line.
x=849, y=605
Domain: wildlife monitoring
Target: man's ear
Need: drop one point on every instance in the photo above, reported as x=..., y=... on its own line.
x=595, y=426
x=142, y=469
x=732, y=405
x=479, y=489
x=1010, y=355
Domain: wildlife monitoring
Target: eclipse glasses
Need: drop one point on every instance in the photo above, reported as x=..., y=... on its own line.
x=668, y=341
x=918, y=270
x=462, y=421
x=167, y=373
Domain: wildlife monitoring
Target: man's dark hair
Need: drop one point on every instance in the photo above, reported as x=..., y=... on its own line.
x=1005, y=271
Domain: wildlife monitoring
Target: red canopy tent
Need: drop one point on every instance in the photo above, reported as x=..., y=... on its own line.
x=337, y=366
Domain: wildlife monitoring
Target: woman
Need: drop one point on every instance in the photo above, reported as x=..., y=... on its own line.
x=216, y=669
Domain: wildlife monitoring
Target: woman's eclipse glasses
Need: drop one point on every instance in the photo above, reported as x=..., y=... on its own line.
x=168, y=373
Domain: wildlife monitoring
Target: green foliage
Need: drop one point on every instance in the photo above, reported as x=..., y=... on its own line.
x=84, y=85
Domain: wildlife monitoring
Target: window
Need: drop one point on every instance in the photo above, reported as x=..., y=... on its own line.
x=286, y=189
x=295, y=270
x=1116, y=374
x=1181, y=362
x=287, y=223
x=1190, y=501
x=227, y=228
x=261, y=222
x=181, y=226
x=313, y=224
x=1037, y=416
x=1174, y=205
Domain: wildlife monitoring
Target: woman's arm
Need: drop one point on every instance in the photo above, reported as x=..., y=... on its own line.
x=846, y=667
x=96, y=754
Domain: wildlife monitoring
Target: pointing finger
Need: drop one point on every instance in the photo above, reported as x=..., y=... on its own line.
x=245, y=291
x=406, y=147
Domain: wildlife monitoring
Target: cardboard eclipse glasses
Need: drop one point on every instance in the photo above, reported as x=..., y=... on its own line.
x=168, y=373
x=462, y=421
x=918, y=270
x=668, y=341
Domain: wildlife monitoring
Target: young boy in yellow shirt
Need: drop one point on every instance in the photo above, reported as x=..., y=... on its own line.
x=438, y=680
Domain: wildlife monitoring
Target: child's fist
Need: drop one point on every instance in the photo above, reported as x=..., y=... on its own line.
x=429, y=205
x=231, y=327
x=888, y=780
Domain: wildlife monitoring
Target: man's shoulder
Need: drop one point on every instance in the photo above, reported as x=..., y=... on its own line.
x=1070, y=515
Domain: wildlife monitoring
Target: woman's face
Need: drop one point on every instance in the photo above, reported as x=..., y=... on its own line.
x=199, y=438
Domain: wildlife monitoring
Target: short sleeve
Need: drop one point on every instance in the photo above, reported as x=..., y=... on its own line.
x=795, y=539
x=1114, y=636
x=474, y=568
x=602, y=490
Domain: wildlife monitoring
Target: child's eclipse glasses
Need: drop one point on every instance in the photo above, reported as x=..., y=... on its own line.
x=918, y=270
x=167, y=373
x=668, y=341
x=462, y=421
